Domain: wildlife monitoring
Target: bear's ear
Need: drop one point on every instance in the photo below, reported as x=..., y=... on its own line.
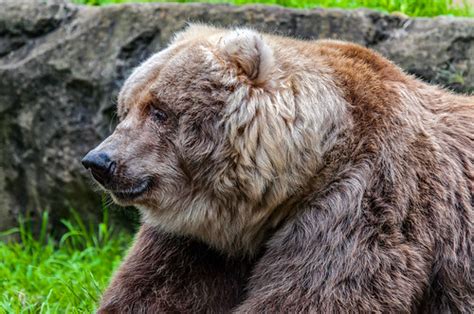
x=248, y=52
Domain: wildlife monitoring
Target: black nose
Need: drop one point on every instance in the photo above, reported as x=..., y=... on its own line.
x=100, y=165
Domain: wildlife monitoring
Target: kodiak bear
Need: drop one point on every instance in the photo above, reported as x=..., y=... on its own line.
x=279, y=175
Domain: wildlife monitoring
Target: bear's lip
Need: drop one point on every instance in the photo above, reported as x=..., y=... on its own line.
x=132, y=192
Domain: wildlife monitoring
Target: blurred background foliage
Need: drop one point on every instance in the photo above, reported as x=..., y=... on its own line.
x=421, y=8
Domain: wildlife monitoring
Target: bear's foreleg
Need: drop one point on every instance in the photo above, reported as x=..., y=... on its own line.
x=163, y=273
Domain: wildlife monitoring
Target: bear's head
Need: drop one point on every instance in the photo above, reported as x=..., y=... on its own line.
x=217, y=133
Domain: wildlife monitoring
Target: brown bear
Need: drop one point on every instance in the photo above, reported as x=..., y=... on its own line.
x=279, y=175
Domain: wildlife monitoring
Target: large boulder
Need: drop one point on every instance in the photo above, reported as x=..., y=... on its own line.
x=61, y=66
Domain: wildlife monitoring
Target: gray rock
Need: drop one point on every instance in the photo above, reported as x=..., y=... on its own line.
x=61, y=66
x=439, y=50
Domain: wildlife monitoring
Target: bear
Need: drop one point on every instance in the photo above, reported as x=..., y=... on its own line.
x=279, y=175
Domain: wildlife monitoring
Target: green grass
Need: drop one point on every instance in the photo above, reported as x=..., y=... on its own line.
x=40, y=274
x=426, y=8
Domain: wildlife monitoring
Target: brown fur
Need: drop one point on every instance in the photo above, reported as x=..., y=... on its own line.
x=171, y=268
x=292, y=176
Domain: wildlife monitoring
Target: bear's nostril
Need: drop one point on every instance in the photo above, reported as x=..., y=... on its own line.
x=100, y=165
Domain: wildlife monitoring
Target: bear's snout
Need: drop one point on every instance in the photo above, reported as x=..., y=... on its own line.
x=101, y=166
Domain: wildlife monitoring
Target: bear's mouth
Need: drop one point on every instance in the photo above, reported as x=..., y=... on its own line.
x=133, y=192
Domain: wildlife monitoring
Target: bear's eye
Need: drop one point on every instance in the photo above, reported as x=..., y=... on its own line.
x=158, y=115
